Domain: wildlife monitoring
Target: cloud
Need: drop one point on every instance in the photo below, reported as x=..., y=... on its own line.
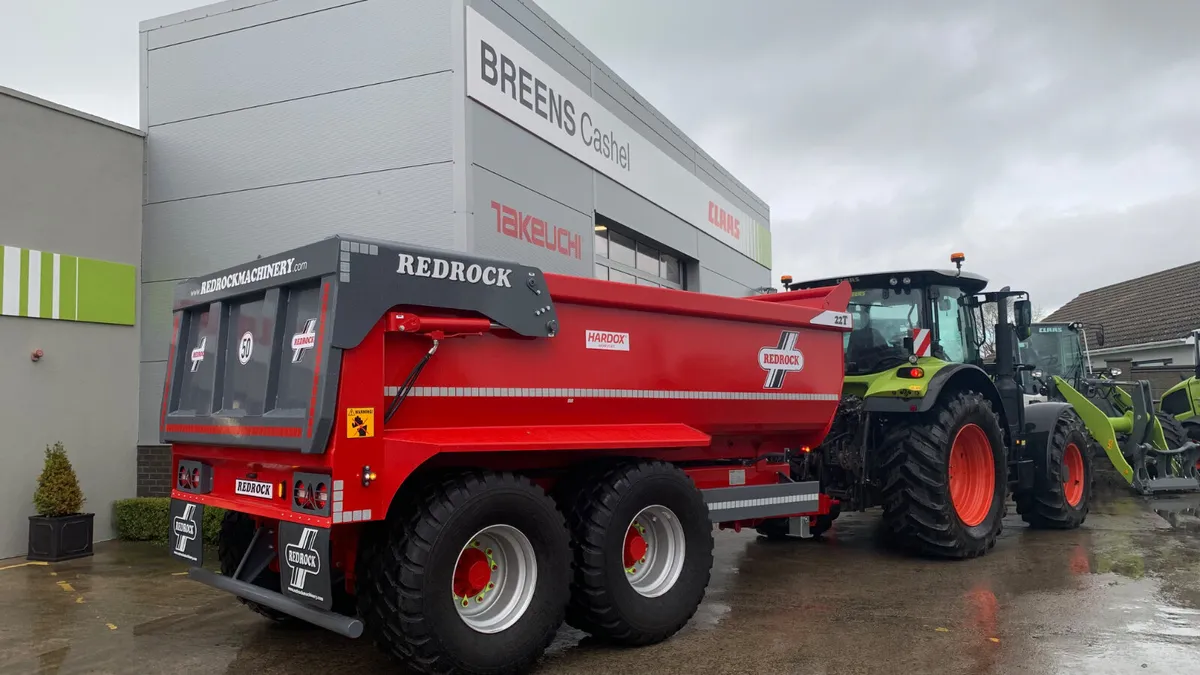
x=1054, y=142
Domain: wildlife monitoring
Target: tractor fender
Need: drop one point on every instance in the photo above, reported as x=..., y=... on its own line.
x=956, y=375
x=1040, y=420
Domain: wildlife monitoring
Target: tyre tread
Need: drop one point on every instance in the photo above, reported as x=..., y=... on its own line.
x=592, y=607
x=394, y=563
x=917, y=509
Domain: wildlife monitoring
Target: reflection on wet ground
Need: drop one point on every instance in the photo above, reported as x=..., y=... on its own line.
x=1120, y=595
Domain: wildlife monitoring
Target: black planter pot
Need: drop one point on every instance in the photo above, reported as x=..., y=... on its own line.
x=54, y=539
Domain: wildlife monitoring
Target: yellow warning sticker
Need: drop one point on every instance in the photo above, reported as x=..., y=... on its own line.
x=360, y=422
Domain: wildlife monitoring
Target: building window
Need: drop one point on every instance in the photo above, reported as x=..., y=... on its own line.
x=622, y=256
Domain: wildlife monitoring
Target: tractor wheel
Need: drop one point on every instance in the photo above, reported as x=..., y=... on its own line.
x=1173, y=430
x=237, y=531
x=945, y=475
x=643, y=553
x=1061, y=500
x=473, y=579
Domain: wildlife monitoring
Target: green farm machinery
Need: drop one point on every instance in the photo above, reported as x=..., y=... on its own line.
x=1182, y=401
x=934, y=433
x=1150, y=449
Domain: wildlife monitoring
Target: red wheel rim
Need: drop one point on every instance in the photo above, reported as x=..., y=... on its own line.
x=1073, y=474
x=972, y=475
x=472, y=573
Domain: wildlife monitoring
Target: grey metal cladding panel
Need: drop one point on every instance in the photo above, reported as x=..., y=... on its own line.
x=713, y=176
x=628, y=105
x=715, y=168
x=196, y=236
x=349, y=46
x=498, y=233
x=228, y=17
x=202, y=12
x=151, y=377
x=717, y=256
x=507, y=149
x=156, y=320
x=632, y=210
x=642, y=128
x=385, y=126
x=533, y=35
x=716, y=284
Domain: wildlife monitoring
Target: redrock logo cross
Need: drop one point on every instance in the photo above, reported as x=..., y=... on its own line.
x=525, y=227
x=304, y=340
x=780, y=360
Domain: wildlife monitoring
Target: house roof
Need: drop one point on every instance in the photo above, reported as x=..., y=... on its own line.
x=1160, y=306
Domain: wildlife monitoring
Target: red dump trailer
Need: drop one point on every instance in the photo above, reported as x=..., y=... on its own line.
x=454, y=455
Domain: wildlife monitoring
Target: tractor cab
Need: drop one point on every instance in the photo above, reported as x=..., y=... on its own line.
x=907, y=315
x=1053, y=350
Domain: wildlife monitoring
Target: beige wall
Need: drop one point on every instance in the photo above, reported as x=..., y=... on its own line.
x=68, y=185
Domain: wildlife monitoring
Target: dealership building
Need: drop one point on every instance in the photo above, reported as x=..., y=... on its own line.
x=479, y=126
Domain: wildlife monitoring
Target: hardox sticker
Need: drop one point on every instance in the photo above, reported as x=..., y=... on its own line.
x=606, y=340
x=781, y=359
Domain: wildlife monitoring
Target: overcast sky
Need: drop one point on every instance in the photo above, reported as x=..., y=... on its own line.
x=1056, y=143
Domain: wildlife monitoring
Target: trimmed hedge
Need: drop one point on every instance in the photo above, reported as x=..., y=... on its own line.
x=149, y=519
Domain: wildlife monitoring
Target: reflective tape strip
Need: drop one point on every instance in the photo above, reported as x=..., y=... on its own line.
x=509, y=392
x=763, y=501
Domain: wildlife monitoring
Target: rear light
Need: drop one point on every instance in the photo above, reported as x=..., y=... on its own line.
x=310, y=493
x=194, y=477
x=911, y=373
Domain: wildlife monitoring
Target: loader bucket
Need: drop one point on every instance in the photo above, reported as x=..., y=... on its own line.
x=1135, y=441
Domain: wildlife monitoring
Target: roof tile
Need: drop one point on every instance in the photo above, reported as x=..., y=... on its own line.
x=1160, y=306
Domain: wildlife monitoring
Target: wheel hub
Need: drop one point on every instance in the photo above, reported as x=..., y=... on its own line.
x=635, y=547
x=494, y=578
x=653, y=551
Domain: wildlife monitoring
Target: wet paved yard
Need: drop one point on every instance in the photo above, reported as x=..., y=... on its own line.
x=1120, y=595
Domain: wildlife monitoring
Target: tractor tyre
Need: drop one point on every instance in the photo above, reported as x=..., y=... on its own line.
x=1173, y=430
x=945, y=478
x=237, y=531
x=1062, y=492
x=643, y=553
x=474, y=578
x=1175, y=433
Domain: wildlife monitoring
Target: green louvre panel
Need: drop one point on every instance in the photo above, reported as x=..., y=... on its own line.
x=763, y=252
x=48, y=285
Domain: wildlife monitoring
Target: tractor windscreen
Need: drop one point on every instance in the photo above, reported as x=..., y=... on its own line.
x=883, y=318
x=1054, y=350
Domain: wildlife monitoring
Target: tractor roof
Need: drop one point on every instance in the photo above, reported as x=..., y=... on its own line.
x=967, y=281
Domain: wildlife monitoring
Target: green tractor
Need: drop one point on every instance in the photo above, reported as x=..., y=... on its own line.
x=1150, y=449
x=932, y=433
x=1183, y=400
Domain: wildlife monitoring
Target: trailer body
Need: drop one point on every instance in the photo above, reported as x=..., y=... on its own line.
x=315, y=390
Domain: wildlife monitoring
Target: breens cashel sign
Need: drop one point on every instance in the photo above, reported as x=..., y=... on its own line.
x=509, y=79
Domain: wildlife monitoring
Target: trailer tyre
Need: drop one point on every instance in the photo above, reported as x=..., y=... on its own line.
x=643, y=553
x=473, y=579
x=945, y=478
x=1060, y=500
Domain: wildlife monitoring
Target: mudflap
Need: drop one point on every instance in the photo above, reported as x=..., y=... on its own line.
x=187, y=535
x=304, y=565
